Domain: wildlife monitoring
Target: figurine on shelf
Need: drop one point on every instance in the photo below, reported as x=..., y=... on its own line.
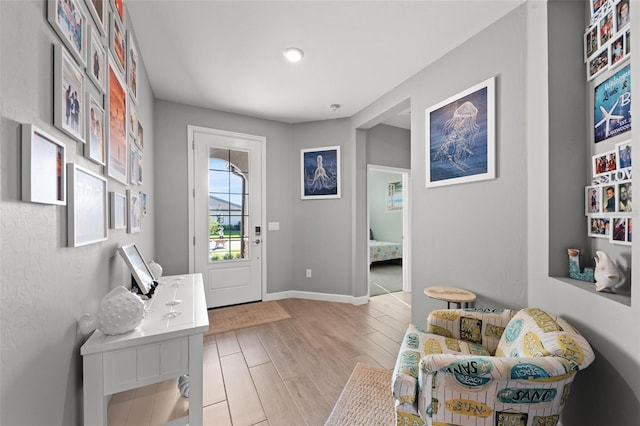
x=606, y=273
x=120, y=311
x=574, y=267
x=155, y=269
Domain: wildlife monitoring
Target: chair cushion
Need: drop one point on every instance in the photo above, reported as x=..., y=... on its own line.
x=533, y=332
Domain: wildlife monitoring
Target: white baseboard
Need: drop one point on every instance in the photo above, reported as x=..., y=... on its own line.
x=325, y=297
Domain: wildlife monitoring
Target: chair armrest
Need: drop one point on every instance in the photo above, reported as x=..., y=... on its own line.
x=481, y=326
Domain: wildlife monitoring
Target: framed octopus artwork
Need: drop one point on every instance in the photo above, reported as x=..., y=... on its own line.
x=320, y=172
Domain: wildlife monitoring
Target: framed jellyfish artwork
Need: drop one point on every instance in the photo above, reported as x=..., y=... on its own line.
x=460, y=137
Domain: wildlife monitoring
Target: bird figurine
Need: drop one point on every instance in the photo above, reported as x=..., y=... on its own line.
x=606, y=273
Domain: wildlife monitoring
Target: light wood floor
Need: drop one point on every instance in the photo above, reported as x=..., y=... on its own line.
x=289, y=372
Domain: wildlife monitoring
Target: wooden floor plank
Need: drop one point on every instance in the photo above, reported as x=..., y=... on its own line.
x=275, y=397
x=242, y=397
x=287, y=372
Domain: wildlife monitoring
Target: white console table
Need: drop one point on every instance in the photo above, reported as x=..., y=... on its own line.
x=167, y=344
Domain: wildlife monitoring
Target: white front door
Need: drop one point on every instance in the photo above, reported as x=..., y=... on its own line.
x=227, y=208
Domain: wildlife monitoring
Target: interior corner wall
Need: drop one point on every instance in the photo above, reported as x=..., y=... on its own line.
x=172, y=229
x=323, y=236
x=45, y=286
x=608, y=392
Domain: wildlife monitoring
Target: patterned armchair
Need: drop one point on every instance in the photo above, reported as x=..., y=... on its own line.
x=487, y=367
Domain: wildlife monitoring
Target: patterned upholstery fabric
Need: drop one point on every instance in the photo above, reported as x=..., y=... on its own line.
x=446, y=375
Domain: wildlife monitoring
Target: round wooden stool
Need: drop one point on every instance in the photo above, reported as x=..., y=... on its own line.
x=451, y=295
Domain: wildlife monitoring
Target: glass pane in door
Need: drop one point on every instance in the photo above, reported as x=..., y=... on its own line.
x=228, y=210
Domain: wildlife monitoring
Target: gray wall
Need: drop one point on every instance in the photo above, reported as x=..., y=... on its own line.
x=45, y=285
x=172, y=237
x=385, y=225
x=322, y=236
x=389, y=146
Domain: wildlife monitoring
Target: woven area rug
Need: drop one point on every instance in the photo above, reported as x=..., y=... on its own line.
x=365, y=400
x=247, y=315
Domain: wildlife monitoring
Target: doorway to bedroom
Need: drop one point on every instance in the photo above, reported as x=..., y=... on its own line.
x=387, y=191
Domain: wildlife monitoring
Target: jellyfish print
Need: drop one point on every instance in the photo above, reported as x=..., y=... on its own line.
x=459, y=135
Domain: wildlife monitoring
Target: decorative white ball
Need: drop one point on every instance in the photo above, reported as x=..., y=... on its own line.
x=120, y=311
x=156, y=269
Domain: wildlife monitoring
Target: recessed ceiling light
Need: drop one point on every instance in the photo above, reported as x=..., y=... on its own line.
x=293, y=54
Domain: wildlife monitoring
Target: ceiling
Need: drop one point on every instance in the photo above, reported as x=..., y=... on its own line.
x=227, y=55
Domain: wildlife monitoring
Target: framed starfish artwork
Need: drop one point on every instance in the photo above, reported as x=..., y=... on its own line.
x=612, y=106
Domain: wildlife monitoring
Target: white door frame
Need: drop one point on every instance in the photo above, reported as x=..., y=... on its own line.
x=406, y=225
x=191, y=190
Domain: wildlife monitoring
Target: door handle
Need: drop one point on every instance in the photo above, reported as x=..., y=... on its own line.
x=257, y=241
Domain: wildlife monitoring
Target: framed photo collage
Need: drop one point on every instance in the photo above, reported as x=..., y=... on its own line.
x=95, y=96
x=608, y=201
x=607, y=39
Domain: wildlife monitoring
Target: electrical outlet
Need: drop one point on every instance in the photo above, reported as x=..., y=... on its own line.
x=308, y=273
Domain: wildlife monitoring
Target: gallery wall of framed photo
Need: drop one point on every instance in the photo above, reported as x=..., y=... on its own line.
x=95, y=77
x=608, y=197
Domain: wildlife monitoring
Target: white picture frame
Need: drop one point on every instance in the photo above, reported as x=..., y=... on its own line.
x=95, y=148
x=100, y=13
x=320, y=173
x=69, y=95
x=134, y=211
x=117, y=141
x=88, y=206
x=97, y=61
x=117, y=210
x=43, y=167
x=133, y=59
x=62, y=16
x=451, y=160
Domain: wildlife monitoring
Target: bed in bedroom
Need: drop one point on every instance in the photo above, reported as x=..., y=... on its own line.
x=380, y=251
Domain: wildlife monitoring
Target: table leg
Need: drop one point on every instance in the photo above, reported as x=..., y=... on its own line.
x=195, y=380
x=95, y=402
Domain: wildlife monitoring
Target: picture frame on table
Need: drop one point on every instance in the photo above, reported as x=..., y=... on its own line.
x=98, y=9
x=591, y=42
x=117, y=210
x=621, y=232
x=132, y=66
x=88, y=207
x=450, y=157
x=612, y=105
x=599, y=226
x=68, y=20
x=320, y=173
x=117, y=149
x=593, y=200
x=95, y=148
x=134, y=210
x=69, y=95
x=624, y=154
x=97, y=61
x=604, y=163
x=44, y=176
x=117, y=43
x=598, y=63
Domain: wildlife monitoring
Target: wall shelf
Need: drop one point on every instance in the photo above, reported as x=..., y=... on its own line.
x=622, y=295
